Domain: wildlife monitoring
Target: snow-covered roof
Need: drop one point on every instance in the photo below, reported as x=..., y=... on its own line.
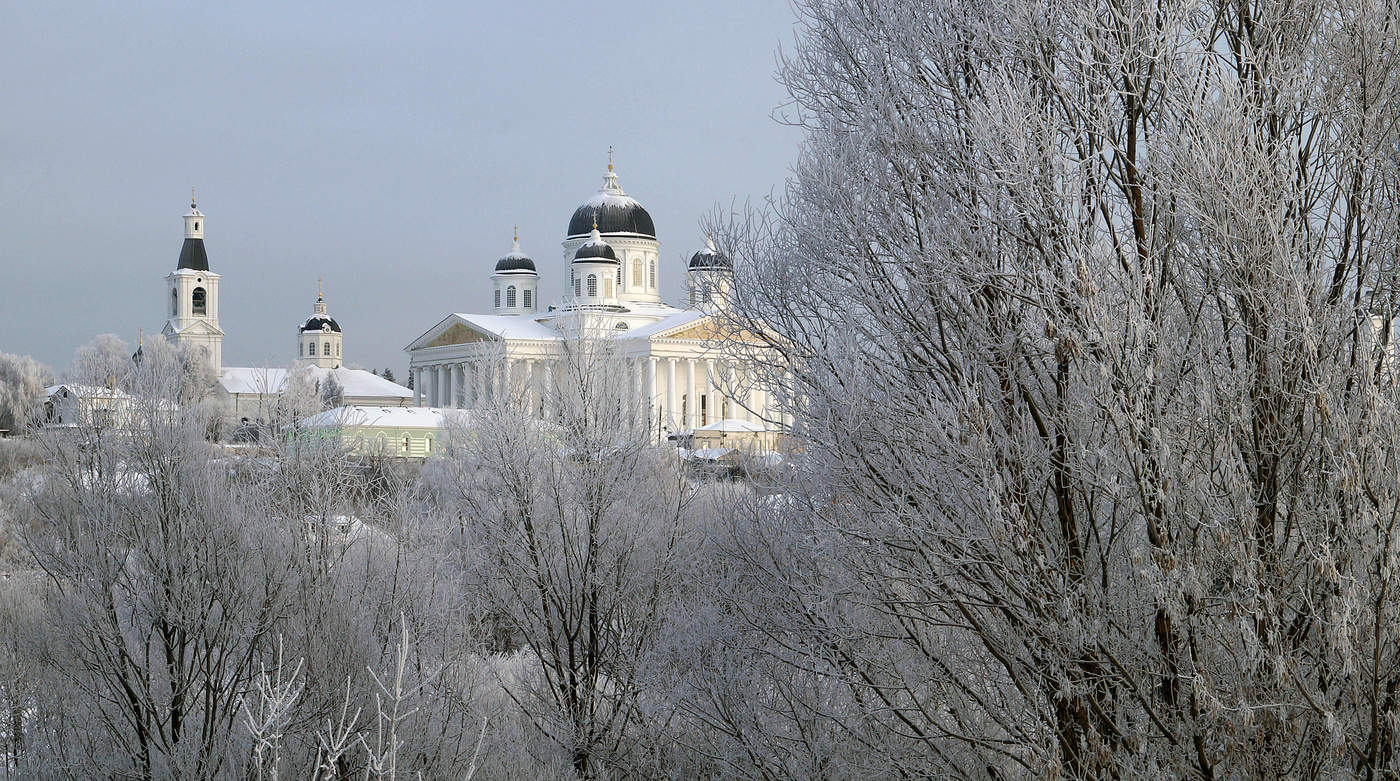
x=384, y=417
x=708, y=453
x=270, y=380
x=509, y=326
x=731, y=425
x=87, y=391
x=681, y=318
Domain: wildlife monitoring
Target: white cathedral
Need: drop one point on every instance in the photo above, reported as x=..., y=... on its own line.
x=682, y=378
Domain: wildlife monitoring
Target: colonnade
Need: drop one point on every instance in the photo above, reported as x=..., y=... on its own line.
x=671, y=393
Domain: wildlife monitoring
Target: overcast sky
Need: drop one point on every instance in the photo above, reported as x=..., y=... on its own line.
x=387, y=146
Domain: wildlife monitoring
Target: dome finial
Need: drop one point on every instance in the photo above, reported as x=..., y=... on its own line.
x=192, y=201
x=320, y=307
x=610, y=184
x=515, y=240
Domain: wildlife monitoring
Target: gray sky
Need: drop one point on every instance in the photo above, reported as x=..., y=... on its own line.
x=386, y=146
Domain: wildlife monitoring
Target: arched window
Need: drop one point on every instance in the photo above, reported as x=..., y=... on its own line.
x=196, y=224
x=498, y=298
x=636, y=272
x=510, y=297
x=592, y=285
x=326, y=349
x=174, y=303
x=312, y=351
x=428, y=445
x=198, y=300
x=405, y=444
x=301, y=349
x=526, y=299
x=577, y=291
x=653, y=274
x=619, y=275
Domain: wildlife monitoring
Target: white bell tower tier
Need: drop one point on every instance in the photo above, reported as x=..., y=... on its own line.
x=192, y=296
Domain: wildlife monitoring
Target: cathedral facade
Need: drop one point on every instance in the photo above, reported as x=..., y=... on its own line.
x=682, y=379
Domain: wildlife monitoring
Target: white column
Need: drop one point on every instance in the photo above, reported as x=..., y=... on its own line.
x=692, y=404
x=711, y=397
x=755, y=399
x=651, y=395
x=453, y=389
x=671, y=393
x=417, y=375
x=531, y=397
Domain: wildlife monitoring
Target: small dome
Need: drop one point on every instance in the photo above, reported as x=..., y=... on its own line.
x=611, y=211
x=710, y=258
x=515, y=260
x=319, y=322
x=595, y=250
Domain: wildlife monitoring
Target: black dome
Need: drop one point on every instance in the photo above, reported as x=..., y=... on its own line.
x=515, y=261
x=615, y=214
x=317, y=321
x=710, y=258
x=595, y=250
x=192, y=255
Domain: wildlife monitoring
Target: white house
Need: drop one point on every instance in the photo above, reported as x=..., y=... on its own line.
x=70, y=405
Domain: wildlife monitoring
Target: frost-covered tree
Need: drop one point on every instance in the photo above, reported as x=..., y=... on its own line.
x=103, y=362
x=1084, y=314
x=22, y=383
x=575, y=528
x=165, y=585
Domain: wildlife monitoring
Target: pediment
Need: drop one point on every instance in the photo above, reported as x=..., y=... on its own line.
x=709, y=330
x=459, y=333
x=196, y=327
x=451, y=330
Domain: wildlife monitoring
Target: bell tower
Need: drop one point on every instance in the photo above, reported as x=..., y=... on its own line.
x=192, y=295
